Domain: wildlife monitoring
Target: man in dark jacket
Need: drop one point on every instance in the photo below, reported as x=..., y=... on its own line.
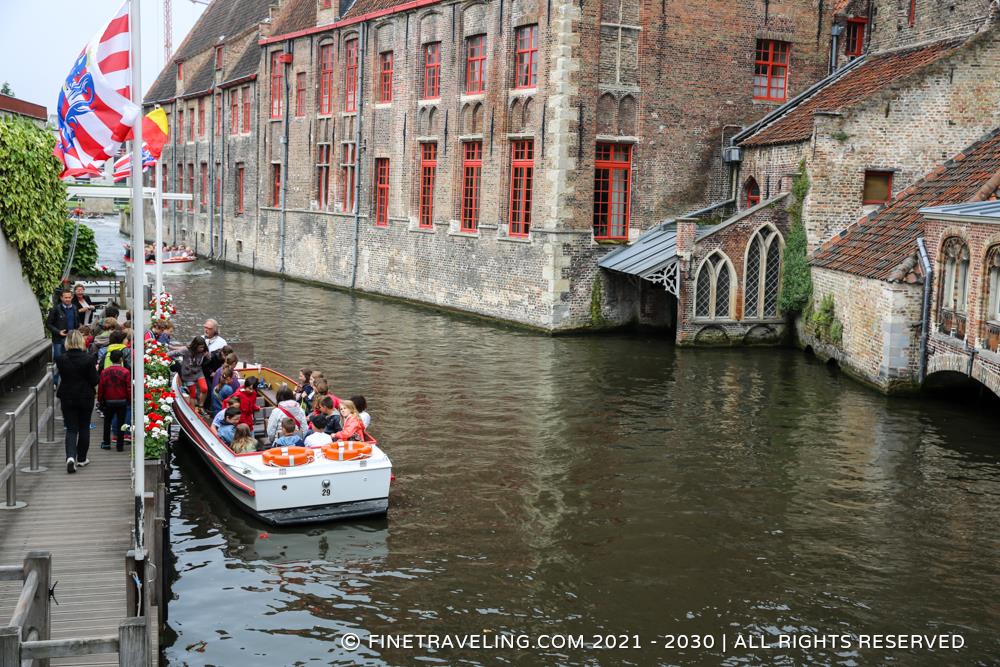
x=60, y=321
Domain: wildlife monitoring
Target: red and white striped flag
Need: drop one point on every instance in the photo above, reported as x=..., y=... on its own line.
x=96, y=113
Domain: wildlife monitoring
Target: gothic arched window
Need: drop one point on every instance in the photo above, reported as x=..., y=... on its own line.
x=991, y=316
x=752, y=192
x=763, y=274
x=954, y=295
x=714, y=287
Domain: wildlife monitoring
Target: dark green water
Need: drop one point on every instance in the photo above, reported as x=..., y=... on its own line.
x=591, y=485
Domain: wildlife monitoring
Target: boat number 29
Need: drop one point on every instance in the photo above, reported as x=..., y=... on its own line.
x=325, y=492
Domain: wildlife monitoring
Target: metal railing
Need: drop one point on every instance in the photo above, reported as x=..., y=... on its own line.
x=17, y=446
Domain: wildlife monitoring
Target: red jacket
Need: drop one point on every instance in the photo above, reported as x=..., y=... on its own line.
x=115, y=384
x=248, y=406
x=353, y=427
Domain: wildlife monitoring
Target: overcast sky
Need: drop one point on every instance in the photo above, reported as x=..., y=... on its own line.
x=39, y=40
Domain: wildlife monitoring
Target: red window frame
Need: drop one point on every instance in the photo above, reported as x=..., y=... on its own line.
x=612, y=191
x=382, y=192
x=218, y=57
x=432, y=71
x=475, y=64
x=245, y=99
x=753, y=192
x=323, y=175
x=277, y=93
x=854, y=38
x=218, y=114
x=771, y=66
x=275, y=185
x=300, y=94
x=326, y=79
x=240, y=172
x=878, y=172
x=385, y=77
x=428, y=172
x=191, y=122
x=526, y=57
x=348, y=167
x=472, y=170
x=912, y=16
x=191, y=185
x=180, y=70
x=201, y=116
x=234, y=111
x=180, y=124
x=203, y=200
x=522, y=168
x=351, y=75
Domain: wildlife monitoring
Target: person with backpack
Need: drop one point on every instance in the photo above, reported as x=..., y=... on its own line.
x=113, y=393
x=288, y=407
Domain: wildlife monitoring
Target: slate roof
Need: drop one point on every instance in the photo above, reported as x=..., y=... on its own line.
x=202, y=80
x=881, y=245
x=859, y=83
x=246, y=65
x=361, y=7
x=295, y=15
x=987, y=211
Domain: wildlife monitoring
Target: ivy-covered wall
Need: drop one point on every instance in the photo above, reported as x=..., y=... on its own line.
x=32, y=202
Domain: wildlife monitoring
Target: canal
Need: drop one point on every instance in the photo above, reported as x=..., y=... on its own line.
x=594, y=485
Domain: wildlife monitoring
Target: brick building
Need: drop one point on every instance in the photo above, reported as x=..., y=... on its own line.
x=480, y=156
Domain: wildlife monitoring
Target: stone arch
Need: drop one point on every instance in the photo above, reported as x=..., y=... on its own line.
x=606, y=114
x=430, y=27
x=954, y=363
x=763, y=262
x=761, y=333
x=751, y=192
x=474, y=19
x=516, y=116
x=466, y=118
x=527, y=117
x=431, y=122
x=384, y=36
x=712, y=334
x=714, y=288
x=477, y=118
x=627, y=116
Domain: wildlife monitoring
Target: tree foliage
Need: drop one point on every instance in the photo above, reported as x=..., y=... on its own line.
x=85, y=255
x=796, y=289
x=32, y=202
x=5, y=89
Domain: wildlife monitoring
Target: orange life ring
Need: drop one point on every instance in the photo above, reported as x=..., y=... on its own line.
x=347, y=451
x=286, y=457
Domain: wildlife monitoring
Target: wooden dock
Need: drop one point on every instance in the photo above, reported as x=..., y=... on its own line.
x=84, y=520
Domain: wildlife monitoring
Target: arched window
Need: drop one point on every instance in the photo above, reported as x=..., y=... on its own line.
x=991, y=317
x=763, y=274
x=954, y=295
x=752, y=191
x=713, y=288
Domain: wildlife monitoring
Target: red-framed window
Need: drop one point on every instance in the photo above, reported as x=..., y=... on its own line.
x=612, y=190
x=204, y=187
x=432, y=71
x=191, y=121
x=245, y=99
x=522, y=168
x=526, y=57
x=854, y=40
x=877, y=188
x=351, y=75
x=770, y=79
x=475, y=64
x=165, y=185
x=753, y=192
x=300, y=94
x=472, y=169
x=323, y=175
x=218, y=57
x=275, y=185
x=911, y=17
x=217, y=109
x=190, y=184
x=201, y=116
x=385, y=77
x=326, y=79
x=428, y=171
x=277, y=91
x=240, y=172
x=234, y=111
x=347, y=169
x=180, y=124
x=382, y=192
x=180, y=70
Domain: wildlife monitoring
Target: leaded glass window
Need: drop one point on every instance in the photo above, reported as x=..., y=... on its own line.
x=713, y=288
x=763, y=274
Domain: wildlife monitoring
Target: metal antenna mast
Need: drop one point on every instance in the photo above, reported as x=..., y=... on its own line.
x=168, y=31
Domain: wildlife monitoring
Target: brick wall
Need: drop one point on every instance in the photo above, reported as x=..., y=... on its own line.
x=891, y=25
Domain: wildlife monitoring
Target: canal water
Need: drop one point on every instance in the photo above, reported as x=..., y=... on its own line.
x=594, y=485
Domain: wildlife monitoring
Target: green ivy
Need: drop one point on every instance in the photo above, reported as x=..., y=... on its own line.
x=824, y=323
x=796, y=288
x=85, y=256
x=32, y=203
x=596, y=299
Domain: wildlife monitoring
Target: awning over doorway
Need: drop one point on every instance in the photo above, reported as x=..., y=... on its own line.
x=652, y=257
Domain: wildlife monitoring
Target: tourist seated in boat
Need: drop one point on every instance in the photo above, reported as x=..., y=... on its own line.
x=220, y=416
x=321, y=390
x=289, y=435
x=225, y=387
x=286, y=406
x=243, y=440
x=304, y=391
x=328, y=406
x=362, y=405
x=191, y=358
x=247, y=396
x=354, y=428
x=230, y=421
x=317, y=436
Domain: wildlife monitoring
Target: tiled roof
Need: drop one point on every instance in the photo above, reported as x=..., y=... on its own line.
x=246, y=65
x=361, y=7
x=202, y=80
x=295, y=15
x=879, y=244
x=856, y=85
x=840, y=6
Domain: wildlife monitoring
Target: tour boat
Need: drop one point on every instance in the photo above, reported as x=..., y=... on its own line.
x=178, y=264
x=330, y=486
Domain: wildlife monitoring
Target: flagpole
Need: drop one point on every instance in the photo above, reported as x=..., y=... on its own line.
x=138, y=285
x=158, y=214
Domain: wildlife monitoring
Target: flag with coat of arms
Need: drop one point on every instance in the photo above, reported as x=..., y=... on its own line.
x=154, y=135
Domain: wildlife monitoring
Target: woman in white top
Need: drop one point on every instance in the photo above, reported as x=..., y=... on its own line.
x=361, y=404
x=287, y=407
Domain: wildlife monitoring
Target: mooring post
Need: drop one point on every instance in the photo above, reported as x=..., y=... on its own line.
x=50, y=426
x=39, y=618
x=11, y=447
x=10, y=646
x=132, y=648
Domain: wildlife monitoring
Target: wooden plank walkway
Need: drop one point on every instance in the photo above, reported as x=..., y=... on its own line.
x=85, y=520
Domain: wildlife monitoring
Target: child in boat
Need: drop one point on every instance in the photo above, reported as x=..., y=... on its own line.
x=220, y=416
x=248, y=401
x=191, y=358
x=362, y=405
x=289, y=434
x=227, y=431
x=304, y=390
x=243, y=440
x=354, y=428
x=327, y=407
x=317, y=437
x=286, y=407
x=223, y=388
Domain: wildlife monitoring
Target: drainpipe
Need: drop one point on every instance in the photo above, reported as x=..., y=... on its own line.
x=211, y=171
x=835, y=33
x=360, y=101
x=289, y=47
x=926, y=312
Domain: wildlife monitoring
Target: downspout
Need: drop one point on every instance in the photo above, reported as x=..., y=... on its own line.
x=289, y=46
x=212, y=174
x=835, y=33
x=925, y=315
x=360, y=102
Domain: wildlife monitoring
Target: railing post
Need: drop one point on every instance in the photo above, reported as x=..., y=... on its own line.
x=10, y=646
x=33, y=429
x=50, y=426
x=135, y=578
x=11, y=447
x=39, y=618
x=132, y=649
